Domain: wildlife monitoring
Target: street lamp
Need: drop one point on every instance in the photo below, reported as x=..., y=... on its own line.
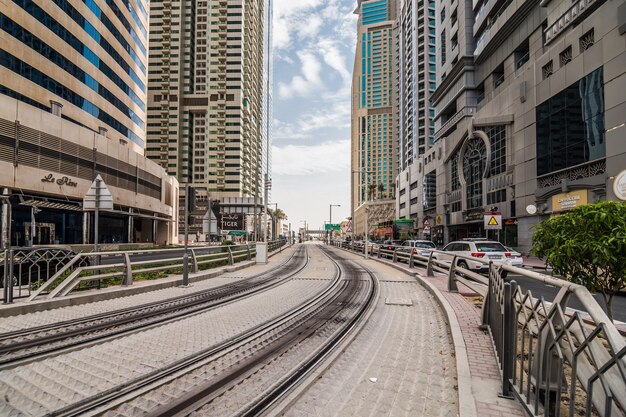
x=330, y=222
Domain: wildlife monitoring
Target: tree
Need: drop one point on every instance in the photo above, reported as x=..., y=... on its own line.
x=371, y=189
x=587, y=246
x=381, y=189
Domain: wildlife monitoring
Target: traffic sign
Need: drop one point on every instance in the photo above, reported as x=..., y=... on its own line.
x=493, y=220
x=334, y=226
x=98, y=196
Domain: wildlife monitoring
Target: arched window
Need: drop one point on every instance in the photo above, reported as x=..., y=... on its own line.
x=474, y=161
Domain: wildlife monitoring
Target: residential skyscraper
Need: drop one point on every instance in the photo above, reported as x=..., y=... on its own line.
x=416, y=82
x=208, y=120
x=417, y=76
x=374, y=155
x=88, y=58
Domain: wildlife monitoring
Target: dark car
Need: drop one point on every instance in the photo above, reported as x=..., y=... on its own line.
x=39, y=264
x=391, y=245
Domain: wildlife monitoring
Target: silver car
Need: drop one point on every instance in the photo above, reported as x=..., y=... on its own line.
x=419, y=247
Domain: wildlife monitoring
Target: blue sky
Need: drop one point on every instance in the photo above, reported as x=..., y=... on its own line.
x=313, y=43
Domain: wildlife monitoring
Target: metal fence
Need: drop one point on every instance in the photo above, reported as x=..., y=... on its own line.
x=554, y=360
x=53, y=272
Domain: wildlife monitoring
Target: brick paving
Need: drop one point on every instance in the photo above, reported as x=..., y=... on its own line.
x=484, y=369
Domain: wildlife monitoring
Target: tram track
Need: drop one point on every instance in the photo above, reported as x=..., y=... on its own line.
x=337, y=311
x=34, y=344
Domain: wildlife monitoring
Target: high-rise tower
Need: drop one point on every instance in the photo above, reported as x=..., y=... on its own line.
x=374, y=153
x=208, y=103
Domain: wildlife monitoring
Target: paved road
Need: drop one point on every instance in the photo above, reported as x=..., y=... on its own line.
x=549, y=292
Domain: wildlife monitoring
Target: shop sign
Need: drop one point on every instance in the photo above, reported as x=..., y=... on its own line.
x=232, y=221
x=510, y=222
x=474, y=215
x=567, y=201
x=619, y=185
x=60, y=181
x=439, y=220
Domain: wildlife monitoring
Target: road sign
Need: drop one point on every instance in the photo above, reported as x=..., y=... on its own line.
x=334, y=226
x=98, y=196
x=493, y=221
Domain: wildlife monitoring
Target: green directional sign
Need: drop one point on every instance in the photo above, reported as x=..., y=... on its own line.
x=333, y=226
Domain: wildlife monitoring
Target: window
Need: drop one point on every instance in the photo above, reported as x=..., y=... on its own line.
x=497, y=140
x=473, y=167
x=570, y=125
x=454, y=171
x=430, y=190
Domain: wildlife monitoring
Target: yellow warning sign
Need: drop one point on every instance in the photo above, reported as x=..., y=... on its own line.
x=493, y=221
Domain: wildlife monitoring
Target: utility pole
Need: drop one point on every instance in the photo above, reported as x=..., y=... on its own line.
x=186, y=255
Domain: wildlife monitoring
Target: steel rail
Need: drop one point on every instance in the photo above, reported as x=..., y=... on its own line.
x=284, y=387
x=346, y=295
x=137, y=316
x=103, y=401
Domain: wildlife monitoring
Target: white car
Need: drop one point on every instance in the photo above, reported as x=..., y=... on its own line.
x=516, y=257
x=419, y=247
x=485, y=250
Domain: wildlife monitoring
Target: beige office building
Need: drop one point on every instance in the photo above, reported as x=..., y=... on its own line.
x=73, y=106
x=207, y=93
x=374, y=149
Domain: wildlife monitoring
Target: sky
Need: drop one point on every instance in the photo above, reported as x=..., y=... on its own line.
x=313, y=50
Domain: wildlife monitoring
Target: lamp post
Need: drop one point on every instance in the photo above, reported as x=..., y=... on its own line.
x=330, y=222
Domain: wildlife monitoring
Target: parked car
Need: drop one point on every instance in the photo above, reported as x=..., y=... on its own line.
x=419, y=247
x=38, y=264
x=390, y=245
x=485, y=250
x=516, y=257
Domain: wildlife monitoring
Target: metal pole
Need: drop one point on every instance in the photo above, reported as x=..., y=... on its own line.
x=265, y=228
x=366, y=229
x=209, y=212
x=32, y=226
x=186, y=255
x=290, y=240
x=96, y=217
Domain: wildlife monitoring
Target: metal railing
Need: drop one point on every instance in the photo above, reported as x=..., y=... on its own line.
x=55, y=272
x=556, y=362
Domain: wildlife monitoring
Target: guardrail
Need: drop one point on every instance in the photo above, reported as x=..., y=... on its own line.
x=555, y=362
x=68, y=271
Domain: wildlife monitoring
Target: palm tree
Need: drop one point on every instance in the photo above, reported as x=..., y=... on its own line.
x=371, y=189
x=381, y=189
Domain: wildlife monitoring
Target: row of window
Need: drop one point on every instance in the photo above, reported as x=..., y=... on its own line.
x=58, y=29
x=55, y=57
x=32, y=74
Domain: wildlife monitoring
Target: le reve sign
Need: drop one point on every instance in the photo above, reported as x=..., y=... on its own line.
x=59, y=181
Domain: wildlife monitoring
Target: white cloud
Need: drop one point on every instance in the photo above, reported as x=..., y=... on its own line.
x=306, y=160
x=305, y=84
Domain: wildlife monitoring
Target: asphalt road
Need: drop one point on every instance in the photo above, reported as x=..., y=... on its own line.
x=548, y=292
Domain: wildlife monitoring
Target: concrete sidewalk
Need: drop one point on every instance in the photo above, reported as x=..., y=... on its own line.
x=477, y=364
